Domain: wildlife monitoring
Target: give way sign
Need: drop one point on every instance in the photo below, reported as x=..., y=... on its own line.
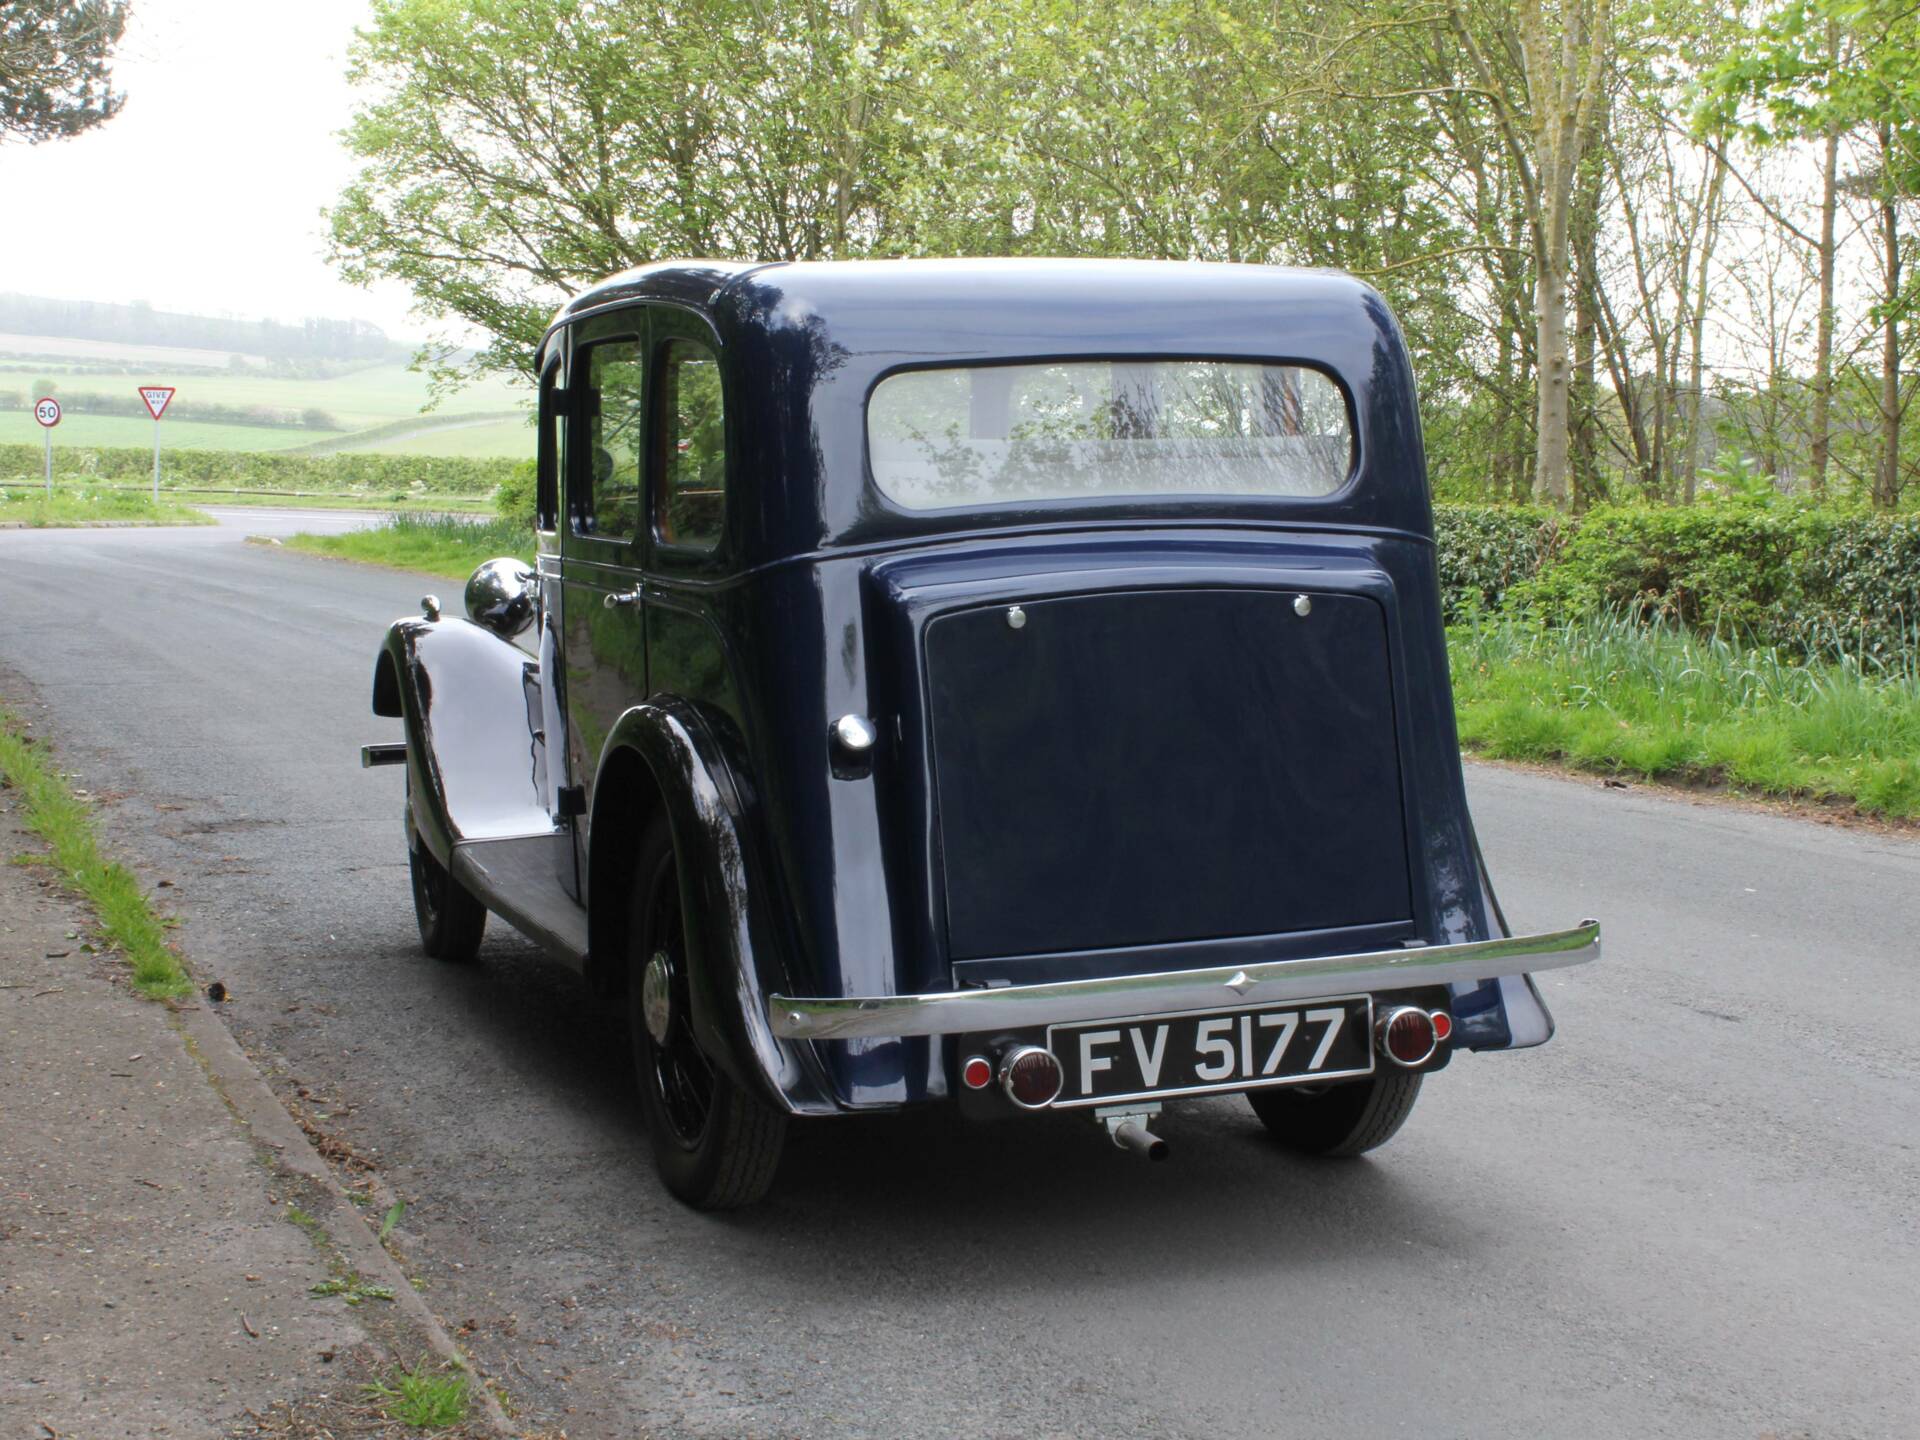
x=157, y=398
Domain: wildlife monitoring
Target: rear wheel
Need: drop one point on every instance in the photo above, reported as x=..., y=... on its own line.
x=1347, y=1119
x=717, y=1146
x=451, y=920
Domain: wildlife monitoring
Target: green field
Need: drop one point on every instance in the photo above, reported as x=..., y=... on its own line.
x=17, y=427
x=385, y=399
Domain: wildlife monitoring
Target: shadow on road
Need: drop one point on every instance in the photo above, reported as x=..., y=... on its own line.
x=925, y=1198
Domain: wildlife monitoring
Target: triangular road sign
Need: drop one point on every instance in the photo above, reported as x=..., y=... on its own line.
x=158, y=397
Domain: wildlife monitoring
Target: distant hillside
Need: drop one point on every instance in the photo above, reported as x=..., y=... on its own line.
x=141, y=324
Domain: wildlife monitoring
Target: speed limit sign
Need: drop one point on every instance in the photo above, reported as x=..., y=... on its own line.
x=47, y=411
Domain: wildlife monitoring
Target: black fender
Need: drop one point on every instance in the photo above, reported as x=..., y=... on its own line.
x=474, y=758
x=737, y=959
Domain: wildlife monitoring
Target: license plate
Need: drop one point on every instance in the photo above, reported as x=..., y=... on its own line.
x=1207, y=1051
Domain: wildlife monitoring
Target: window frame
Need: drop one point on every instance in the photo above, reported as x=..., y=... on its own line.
x=550, y=448
x=671, y=325
x=628, y=325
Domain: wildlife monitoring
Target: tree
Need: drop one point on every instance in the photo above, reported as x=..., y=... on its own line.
x=1543, y=69
x=54, y=59
x=1826, y=71
x=518, y=149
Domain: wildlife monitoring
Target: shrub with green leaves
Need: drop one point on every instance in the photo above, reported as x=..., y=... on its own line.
x=1485, y=550
x=1709, y=567
x=517, y=497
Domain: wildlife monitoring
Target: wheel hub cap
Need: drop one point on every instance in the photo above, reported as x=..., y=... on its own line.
x=656, y=996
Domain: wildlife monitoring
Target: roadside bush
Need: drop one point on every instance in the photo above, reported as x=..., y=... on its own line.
x=1810, y=581
x=1708, y=567
x=1856, y=587
x=516, y=498
x=1485, y=550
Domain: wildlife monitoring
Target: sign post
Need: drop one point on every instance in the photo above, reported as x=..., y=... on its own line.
x=47, y=411
x=156, y=398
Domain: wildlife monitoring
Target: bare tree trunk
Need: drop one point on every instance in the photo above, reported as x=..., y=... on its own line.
x=1552, y=412
x=1566, y=76
x=1584, y=397
x=1886, y=487
x=1829, y=257
x=1697, y=323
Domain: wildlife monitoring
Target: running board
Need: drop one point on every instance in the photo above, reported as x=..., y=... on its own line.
x=519, y=880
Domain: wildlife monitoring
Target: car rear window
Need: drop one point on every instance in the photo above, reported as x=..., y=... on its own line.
x=1067, y=429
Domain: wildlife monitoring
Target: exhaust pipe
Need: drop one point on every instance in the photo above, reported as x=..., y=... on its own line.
x=1129, y=1131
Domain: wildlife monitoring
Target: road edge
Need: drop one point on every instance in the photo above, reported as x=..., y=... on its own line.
x=232, y=1072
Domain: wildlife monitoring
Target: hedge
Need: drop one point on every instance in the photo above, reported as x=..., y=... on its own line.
x=268, y=470
x=1806, y=579
x=1485, y=550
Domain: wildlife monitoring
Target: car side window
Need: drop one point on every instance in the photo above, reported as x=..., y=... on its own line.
x=691, y=509
x=605, y=493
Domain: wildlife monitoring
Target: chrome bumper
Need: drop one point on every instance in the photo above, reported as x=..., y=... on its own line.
x=1016, y=1007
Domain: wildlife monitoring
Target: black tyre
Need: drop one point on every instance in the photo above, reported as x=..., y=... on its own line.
x=1346, y=1119
x=717, y=1146
x=451, y=920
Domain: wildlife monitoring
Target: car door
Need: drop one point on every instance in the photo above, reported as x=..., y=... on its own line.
x=604, y=631
x=558, y=787
x=687, y=508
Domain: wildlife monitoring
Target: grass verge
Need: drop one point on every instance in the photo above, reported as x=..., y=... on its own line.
x=66, y=507
x=65, y=821
x=437, y=544
x=1617, y=696
x=346, y=500
x=424, y=1398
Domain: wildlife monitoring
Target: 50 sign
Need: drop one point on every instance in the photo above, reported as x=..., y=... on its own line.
x=47, y=411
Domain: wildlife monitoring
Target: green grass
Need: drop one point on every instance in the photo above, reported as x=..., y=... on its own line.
x=344, y=500
x=1615, y=696
x=423, y=1398
x=350, y=1287
x=434, y=544
x=70, y=506
x=98, y=431
x=383, y=399
x=65, y=821
x=511, y=438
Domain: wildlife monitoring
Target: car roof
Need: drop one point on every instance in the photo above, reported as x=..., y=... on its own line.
x=865, y=302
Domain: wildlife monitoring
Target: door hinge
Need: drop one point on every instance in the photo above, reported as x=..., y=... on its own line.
x=572, y=801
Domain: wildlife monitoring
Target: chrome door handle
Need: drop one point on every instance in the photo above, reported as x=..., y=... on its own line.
x=614, y=600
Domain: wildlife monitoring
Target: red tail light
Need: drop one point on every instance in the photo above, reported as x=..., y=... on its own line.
x=1031, y=1077
x=1408, y=1035
x=977, y=1072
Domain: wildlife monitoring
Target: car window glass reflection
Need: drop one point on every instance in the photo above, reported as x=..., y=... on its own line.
x=694, y=468
x=615, y=407
x=988, y=435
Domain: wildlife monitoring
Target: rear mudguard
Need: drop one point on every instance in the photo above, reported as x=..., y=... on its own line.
x=732, y=931
x=475, y=757
x=1503, y=1014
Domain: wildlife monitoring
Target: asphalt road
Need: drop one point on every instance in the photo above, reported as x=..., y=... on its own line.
x=1692, y=1214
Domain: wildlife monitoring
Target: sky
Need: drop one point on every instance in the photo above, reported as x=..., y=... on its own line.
x=204, y=194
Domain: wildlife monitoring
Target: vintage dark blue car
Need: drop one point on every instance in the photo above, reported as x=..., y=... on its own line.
x=1012, y=684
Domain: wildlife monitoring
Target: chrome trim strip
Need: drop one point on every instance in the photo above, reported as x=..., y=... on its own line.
x=1020, y=1006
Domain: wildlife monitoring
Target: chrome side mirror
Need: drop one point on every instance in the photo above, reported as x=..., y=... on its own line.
x=502, y=596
